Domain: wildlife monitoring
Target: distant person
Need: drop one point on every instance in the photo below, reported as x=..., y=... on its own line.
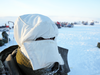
x=58, y=24
x=5, y=24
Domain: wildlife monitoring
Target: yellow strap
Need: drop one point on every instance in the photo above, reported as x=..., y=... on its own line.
x=22, y=60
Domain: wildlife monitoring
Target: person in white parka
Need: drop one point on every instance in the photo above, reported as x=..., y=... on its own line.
x=38, y=51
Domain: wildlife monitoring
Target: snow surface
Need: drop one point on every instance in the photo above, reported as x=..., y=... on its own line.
x=81, y=41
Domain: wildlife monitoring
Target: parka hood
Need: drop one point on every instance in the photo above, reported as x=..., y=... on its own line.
x=27, y=29
x=31, y=26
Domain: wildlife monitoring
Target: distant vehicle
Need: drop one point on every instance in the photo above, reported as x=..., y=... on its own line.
x=92, y=23
x=69, y=25
x=62, y=24
x=85, y=23
x=96, y=22
x=4, y=28
x=75, y=22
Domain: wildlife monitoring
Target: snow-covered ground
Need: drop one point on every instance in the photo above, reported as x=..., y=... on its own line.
x=81, y=41
x=83, y=56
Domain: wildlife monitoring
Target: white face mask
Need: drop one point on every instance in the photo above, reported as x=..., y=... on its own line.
x=43, y=52
x=27, y=29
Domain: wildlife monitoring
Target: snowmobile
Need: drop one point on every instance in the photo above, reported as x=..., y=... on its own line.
x=69, y=25
x=92, y=23
x=85, y=23
x=9, y=66
x=4, y=28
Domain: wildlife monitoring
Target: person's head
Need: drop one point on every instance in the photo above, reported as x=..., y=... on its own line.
x=32, y=26
x=35, y=34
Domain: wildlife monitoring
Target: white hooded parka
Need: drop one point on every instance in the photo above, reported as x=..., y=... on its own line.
x=27, y=29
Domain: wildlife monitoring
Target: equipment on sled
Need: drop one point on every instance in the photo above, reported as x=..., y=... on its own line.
x=5, y=38
x=98, y=44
